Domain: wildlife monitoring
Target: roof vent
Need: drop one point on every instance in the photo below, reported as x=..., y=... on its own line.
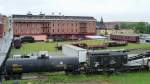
x=59, y=13
x=53, y=13
x=42, y=14
x=29, y=13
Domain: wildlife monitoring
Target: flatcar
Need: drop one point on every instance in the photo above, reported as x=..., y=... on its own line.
x=116, y=43
x=97, y=46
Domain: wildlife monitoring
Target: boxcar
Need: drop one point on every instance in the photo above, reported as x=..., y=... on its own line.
x=29, y=39
x=128, y=38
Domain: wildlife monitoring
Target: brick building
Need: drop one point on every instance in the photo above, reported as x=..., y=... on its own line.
x=70, y=27
x=1, y=30
x=3, y=25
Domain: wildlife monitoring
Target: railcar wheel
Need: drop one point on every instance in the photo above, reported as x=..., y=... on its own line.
x=7, y=77
x=17, y=76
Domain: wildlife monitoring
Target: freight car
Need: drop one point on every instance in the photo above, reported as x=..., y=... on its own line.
x=115, y=62
x=81, y=45
x=140, y=61
x=97, y=46
x=116, y=43
x=29, y=39
x=17, y=42
x=128, y=38
x=105, y=61
x=15, y=67
x=96, y=62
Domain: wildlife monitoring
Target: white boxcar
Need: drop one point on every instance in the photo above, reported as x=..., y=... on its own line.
x=16, y=56
x=70, y=50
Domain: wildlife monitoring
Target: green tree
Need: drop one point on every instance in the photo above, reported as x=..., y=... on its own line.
x=124, y=26
x=116, y=27
x=101, y=22
x=147, y=29
x=140, y=27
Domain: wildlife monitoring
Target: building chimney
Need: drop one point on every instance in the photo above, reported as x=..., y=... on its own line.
x=59, y=13
x=29, y=13
x=42, y=14
x=53, y=13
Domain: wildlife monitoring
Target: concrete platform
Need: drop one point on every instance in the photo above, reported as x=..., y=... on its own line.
x=5, y=44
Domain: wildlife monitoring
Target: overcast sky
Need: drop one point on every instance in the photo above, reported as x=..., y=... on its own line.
x=110, y=10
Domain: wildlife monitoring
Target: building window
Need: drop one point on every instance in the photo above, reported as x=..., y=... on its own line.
x=53, y=30
x=63, y=24
x=76, y=30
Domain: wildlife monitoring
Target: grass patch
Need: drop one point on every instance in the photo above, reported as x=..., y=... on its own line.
x=123, y=78
x=131, y=78
x=61, y=78
x=43, y=46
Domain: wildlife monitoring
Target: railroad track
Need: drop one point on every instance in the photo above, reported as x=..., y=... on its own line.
x=138, y=51
x=40, y=76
